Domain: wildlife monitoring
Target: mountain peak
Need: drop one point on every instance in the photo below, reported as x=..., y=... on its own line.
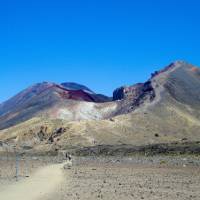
x=179, y=62
x=172, y=66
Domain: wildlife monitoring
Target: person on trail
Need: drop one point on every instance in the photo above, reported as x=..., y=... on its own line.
x=68, y=164
x=68, y=157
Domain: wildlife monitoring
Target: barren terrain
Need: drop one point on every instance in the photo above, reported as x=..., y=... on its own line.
x=138, y=177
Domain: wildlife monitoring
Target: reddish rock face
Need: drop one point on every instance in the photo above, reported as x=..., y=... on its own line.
x=76, y=95
x=43, y=96
x=45, y=92
x=62, y=91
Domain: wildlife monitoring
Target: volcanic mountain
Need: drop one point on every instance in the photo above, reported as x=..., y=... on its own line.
x=48, y=98
x=164, y=109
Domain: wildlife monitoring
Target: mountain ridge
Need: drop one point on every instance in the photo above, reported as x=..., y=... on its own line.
x=164, y=109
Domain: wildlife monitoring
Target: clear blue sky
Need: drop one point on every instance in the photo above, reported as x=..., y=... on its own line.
x=102, y=44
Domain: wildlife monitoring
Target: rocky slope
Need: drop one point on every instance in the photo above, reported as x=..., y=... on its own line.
x=165, y=109
x=71, y=100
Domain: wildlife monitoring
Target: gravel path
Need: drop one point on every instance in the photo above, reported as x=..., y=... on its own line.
x=40, y=185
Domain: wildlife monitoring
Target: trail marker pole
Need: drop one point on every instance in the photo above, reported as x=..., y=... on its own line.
x=16, y=165
x=26, y=167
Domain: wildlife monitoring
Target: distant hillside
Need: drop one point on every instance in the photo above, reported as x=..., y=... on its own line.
x=41, y=98
x=164, y=109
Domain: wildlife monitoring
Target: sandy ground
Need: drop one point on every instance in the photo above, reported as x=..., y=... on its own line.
x=40, y=185
x=137, y=178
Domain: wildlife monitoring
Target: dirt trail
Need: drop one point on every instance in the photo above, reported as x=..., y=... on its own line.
x=37, y=187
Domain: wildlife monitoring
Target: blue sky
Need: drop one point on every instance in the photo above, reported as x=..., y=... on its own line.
x=103, y=44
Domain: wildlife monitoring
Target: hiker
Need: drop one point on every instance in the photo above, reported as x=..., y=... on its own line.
x=68, y=156
x=68, y=164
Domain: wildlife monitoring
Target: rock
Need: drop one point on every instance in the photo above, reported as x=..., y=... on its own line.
x=119, y=93
x=156, y=135
x=112, y=120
